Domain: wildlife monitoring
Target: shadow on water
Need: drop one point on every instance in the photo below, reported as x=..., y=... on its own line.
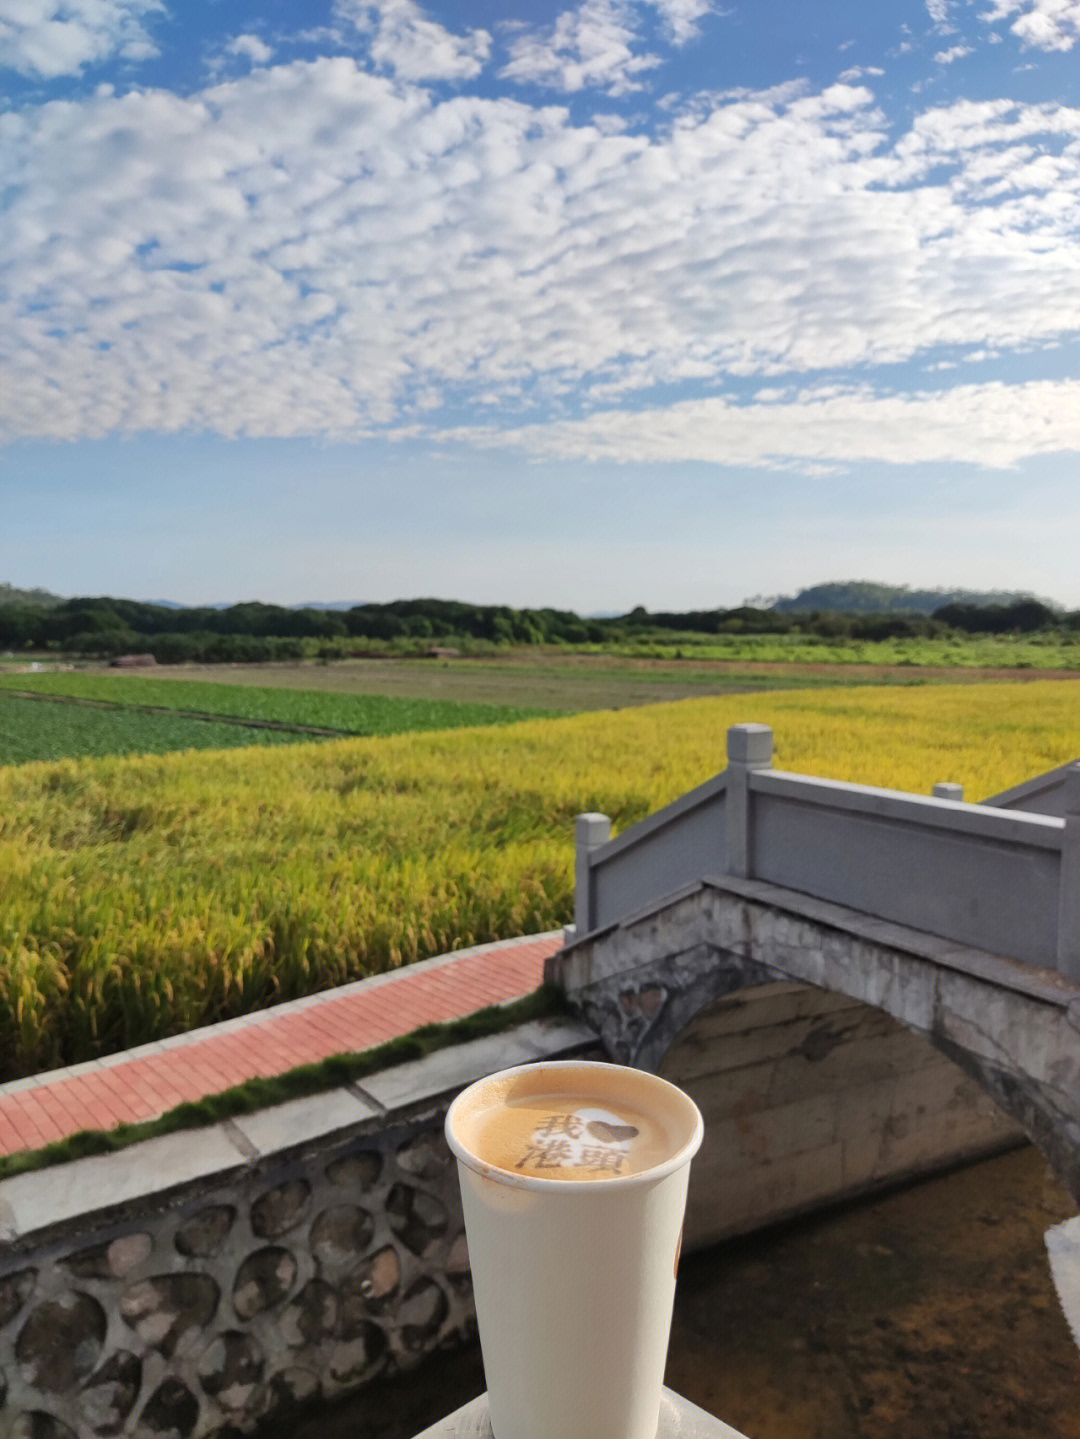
x=926, y=1313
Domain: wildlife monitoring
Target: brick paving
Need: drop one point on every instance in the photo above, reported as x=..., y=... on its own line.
x=146, y=1082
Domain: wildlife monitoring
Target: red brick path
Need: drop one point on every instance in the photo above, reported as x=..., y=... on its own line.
x=145, y=1082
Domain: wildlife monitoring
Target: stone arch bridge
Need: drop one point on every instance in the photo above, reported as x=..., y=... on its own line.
x=961, y=921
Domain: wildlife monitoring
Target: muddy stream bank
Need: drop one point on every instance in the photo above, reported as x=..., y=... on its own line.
x=927, y=1313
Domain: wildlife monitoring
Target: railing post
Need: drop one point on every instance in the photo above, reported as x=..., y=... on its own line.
x=1068, y=944
x=590, y=832
x=749, y=747
x=948, y=791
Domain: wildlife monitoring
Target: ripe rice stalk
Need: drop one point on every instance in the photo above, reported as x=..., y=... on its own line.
x=143, y=896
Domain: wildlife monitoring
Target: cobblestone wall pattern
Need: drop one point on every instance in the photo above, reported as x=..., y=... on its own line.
x=234, y=1302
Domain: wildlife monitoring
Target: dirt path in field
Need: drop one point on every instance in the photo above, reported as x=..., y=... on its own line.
x=555, y=680
x=838, y=670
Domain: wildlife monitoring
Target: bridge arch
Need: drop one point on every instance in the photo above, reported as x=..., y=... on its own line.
x=1012, y=1027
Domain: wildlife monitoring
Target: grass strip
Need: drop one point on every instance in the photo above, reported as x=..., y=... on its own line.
x=306, y=1079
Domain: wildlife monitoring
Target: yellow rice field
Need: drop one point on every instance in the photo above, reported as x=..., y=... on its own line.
x=140, y=897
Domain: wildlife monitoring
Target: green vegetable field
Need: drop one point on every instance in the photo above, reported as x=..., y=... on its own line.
x=38, y=730
x=115, y=721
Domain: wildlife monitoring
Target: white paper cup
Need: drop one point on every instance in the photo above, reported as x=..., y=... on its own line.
x=574, y=1276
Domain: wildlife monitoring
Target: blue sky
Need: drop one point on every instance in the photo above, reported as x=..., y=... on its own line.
x=593, y=305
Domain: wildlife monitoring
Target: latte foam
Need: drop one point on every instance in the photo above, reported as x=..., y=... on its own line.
x=581, y=1128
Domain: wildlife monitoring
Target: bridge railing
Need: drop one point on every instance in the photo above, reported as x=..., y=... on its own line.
x=1045, y=794
x=991, y=878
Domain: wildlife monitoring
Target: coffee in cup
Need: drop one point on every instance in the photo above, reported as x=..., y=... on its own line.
x=573, y=1181
x=579, y=1123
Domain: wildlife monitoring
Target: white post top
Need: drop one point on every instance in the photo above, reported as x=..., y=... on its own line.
x=592, y=830
x=679, y=1419
x=751, y=745
x=948, y=791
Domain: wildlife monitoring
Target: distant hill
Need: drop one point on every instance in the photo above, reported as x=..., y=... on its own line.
x=9, y=595
x=330, y=605
x=861, y=597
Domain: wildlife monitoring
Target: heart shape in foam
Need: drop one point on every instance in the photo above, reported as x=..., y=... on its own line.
x=611, y=1133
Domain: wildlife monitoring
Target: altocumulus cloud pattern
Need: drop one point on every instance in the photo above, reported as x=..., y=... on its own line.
x=632, y=231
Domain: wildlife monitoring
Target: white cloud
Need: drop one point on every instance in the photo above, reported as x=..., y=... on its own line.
x=1040, y=24
x=993, y=425
x=50, y=38
x=406, y=42
x=591, y=46
x=313, y=249
x=860, y=72
x=955, y=52
x=251, y=47
x=682, y=18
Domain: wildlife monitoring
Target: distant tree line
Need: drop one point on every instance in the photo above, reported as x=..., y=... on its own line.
x=852, y=597
x=1019, y=616
x=254, y=631
x=108, y=627
x=9, y=595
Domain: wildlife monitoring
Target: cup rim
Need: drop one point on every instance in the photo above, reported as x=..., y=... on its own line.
x=509, y=1177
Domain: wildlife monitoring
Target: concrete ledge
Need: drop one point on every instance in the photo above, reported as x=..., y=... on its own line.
x=1043, y=795
x=1030, y=979
x=310, y=1118
x=458, y=1065
x=1046, y=985
x=45, y=1198
x=679, y=1419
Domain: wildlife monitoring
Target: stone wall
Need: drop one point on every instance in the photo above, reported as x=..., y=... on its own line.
x=203, y=1284
x=197, y=1284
